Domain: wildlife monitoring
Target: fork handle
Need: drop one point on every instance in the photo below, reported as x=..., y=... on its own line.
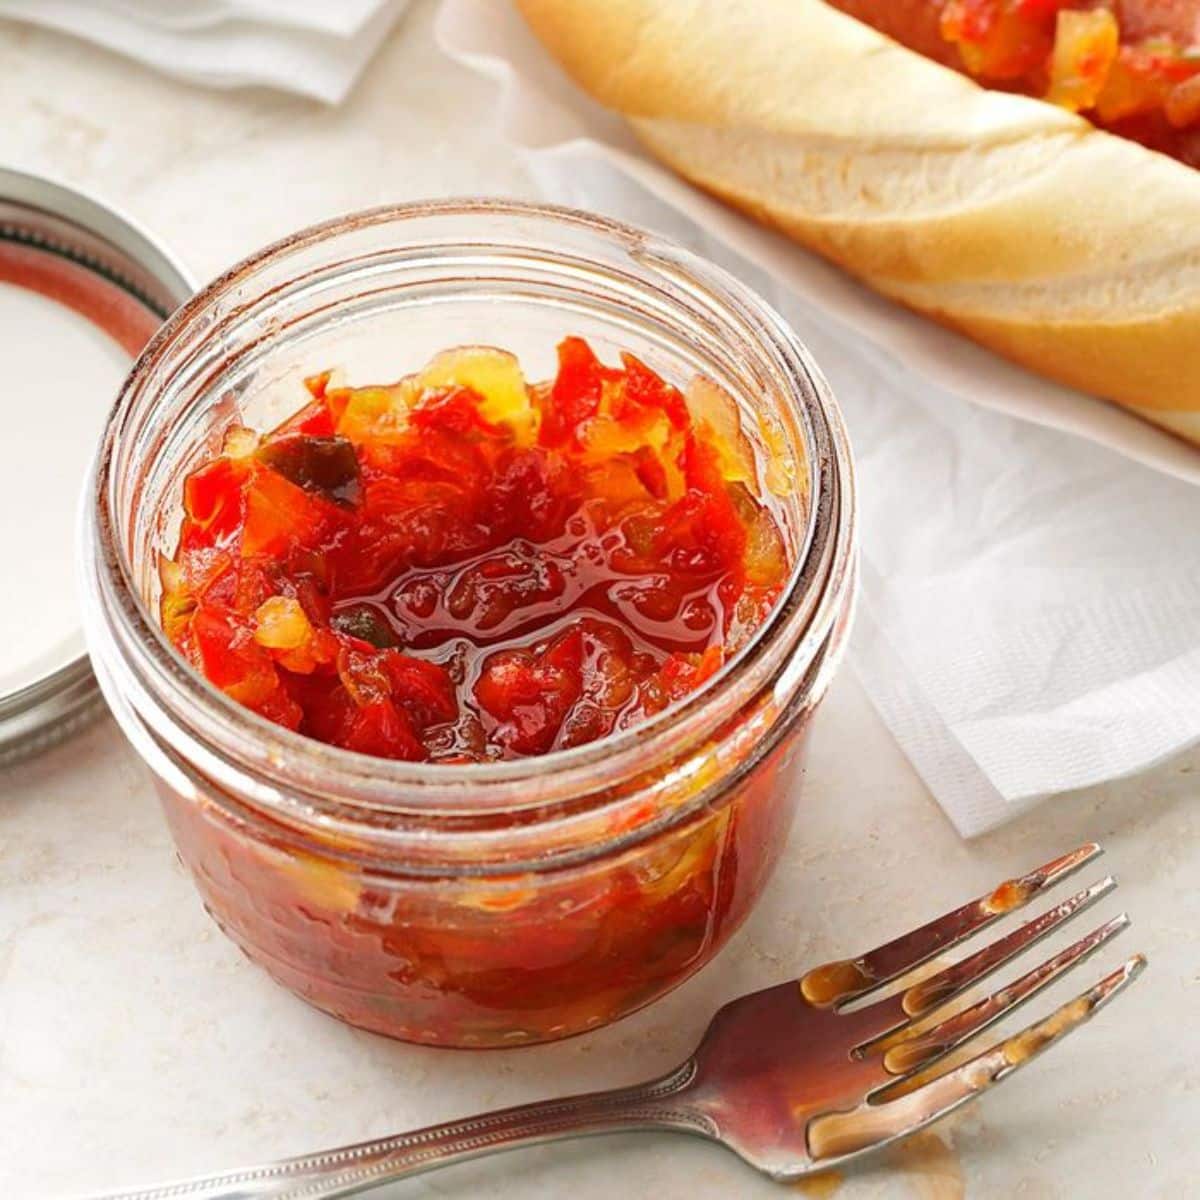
x=350, y=1169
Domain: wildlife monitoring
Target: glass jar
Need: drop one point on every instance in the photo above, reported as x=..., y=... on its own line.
x=486, y=904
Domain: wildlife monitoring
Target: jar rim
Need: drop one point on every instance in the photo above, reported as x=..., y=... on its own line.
x=365, y=783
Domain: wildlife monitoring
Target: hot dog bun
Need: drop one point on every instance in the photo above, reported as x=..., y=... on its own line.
x=1069, y=250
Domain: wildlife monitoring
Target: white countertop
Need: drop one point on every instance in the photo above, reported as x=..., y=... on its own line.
x=136, y=1043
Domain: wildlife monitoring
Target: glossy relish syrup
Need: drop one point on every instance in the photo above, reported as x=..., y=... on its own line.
x=462, y=566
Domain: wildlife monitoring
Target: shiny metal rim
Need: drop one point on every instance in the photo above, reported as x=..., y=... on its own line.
x=49, y=216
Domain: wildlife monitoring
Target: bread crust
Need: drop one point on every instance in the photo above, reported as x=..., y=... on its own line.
x=1069, y=250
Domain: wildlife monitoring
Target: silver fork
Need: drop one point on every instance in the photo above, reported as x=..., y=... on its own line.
x=789, y=1078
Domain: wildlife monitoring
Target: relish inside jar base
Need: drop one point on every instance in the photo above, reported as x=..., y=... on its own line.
x=493, y=961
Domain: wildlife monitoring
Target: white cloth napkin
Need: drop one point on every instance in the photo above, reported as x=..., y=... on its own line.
x=312, y=47
x=1030, y=618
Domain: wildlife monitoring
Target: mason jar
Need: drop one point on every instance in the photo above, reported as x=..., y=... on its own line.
x=494, y=903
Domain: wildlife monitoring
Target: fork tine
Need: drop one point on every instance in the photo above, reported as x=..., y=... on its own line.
x=933, y=992
x=902, y=1055
x=839, y=1135
x=836, y=982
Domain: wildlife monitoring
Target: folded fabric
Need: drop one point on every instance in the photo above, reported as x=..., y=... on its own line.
x=345, y=18
x=312, y=48
x=1030, y=620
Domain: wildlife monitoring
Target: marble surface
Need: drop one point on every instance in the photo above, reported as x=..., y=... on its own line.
x=136, y=1044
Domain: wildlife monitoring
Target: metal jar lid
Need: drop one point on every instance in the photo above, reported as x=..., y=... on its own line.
x=82, y=289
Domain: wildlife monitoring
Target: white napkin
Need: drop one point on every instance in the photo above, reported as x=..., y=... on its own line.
x=311, y=47
x=1030, y=618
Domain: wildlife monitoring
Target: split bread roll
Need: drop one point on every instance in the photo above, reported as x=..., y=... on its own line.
x=1069, y=250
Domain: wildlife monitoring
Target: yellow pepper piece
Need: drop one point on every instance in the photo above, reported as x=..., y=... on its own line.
x=376, y=413
x=1085, y=48
x=605, y=438
x=495, y=375
x=281, y=624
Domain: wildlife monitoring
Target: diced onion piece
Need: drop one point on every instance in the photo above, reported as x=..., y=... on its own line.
x=1085, y=47
x=170, y=574
x=239, y=442
x=177, y=604
x=604, y=437
x=281, y=624
x=716, y=413
x=683, y=861
x=780, y=476
x=499, y=895
x=373, y=413
x=177, y=610
x=619, y=481
x=319, y=882
x=766, y=556
x=494, y=374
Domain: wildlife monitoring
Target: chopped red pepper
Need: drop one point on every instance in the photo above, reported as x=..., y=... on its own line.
x=575, y=394
x=460, y=566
